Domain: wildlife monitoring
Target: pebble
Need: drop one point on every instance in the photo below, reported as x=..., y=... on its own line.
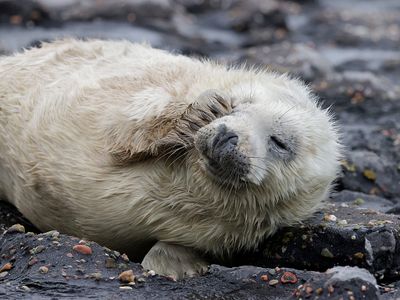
x=43, y=269
x=96, y=276
x=289, y=277
x=326, y=253
x=125, y=257
x=264, y=277
x=127, y=276
x=25, y=288
x=16, y=228
x=125, y=288
x=332, y=218
x=37, y=249
x=363, y=288
x=342, y=222
x=70, y=255
x=273, y=282
x=3, y=274
x=6, y=267
x=32, y=261
x=83, y=249
x=110, y=263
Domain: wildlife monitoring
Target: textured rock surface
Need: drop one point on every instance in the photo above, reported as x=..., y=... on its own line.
x=346, y=50
x=46, y=266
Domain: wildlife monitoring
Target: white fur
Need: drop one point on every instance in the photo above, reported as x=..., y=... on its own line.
x=66, y=107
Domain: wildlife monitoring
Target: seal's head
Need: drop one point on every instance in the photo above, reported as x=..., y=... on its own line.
x=277, y=140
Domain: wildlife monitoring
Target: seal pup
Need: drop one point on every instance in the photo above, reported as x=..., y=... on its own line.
x=136, y=148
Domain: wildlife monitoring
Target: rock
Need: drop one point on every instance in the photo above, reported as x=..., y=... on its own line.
x=361, y=200
x=127, y=276
x=16, y=228
x=297, y=59
x=83, y=249
x=369, y=240
x=366, y=172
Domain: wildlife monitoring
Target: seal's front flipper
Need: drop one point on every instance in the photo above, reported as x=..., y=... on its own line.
x=174, y=261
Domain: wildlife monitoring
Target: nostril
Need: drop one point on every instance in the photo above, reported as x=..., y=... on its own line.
x=231, y=138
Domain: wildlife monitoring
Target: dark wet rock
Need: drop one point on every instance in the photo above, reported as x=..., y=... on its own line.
x=366, y=172
x=297, y=59
x=361, y=200
x=341, y=235
x=60, y=272
x=128, y=10
x=24, y=12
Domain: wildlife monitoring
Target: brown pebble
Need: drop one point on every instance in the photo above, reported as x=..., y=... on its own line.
x=331, y=289
x=264, y=277
x=309, y=290
x=32, y=261
x=83, y=249
x=273, y=282
x=110, y=263
x=289, y=277
x=319, y=291
x=6, y=267
x=358, y=255
x=43, y=269
x=126, y=276
x=16, y=228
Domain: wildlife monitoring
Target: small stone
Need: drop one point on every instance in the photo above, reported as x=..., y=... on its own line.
x=110, y=263
x=16, y=228
x=127, y=276
x=151, y=273
x=83, y=249
x=70, y=255
x=331, y=289
x=43, y=269
x=319, y=291
x=6, y=267
x=264, y=277
x=125, y=288
x=272, y=271
x=273, y=282
x=342, y=222
x=369, y=174
x=363, y=288
x=353, y=237
x=29, y=233
x=326, y=253
x=277, y=269
x=309, y=290
x=331, y=218
x=289, y=277
x=358, y=255
x=96, y=276
x=125, y=257
x=141, y=280
x=359, y=201
x=25, y=288
x=32, y=261
x=37, y=249
x=3, y=274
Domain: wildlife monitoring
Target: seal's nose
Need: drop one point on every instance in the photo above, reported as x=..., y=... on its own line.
x=223, y=143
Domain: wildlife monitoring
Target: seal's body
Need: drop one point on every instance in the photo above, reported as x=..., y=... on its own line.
x=128, y=145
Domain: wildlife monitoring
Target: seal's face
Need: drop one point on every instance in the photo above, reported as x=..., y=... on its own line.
x=276, y=135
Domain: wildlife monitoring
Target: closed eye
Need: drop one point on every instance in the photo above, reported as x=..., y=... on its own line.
x=279, y=143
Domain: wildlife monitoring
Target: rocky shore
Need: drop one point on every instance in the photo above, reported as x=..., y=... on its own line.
x=348, y=51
